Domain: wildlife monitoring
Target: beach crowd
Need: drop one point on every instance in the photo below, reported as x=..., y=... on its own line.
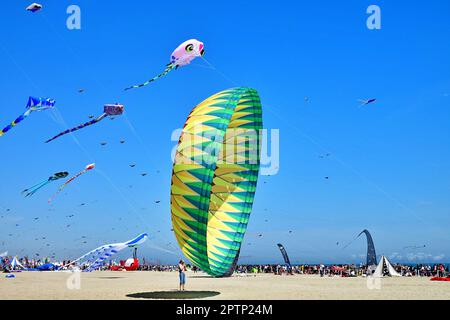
x=346, y=270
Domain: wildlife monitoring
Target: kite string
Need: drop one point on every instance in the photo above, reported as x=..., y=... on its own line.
x=338, y=160
x=351, y=242
x=100, y=84
x=219, y=72
x=76, y=140
x=123, y=197
x=137, y=136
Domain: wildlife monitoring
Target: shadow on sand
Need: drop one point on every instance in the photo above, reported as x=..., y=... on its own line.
x=174, y=294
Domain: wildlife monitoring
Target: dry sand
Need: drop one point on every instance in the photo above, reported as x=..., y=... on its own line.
x=118, y=285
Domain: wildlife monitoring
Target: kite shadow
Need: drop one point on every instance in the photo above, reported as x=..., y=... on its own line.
x=174, y=294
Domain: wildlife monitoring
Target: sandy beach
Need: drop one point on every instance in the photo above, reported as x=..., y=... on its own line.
x=143, y=285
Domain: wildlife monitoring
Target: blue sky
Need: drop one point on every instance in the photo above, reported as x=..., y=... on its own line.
x=389, y=164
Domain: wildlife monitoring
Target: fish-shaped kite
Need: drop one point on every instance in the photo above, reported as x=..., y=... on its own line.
x=88, y=168
x=181, y=56
x=109, y=110
x=34, y=104
x=32, y=190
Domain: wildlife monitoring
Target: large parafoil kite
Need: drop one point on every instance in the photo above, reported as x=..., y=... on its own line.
x=109, y=110
x=181, y=56
x=214, y=178
x=32, y=190
x=97, y=257
x=88, y=167
x=34, y=104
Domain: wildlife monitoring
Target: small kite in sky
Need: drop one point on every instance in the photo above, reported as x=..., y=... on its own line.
x=109, y=110
x=88, y=168
x=181, y=56
x=34, y=104
x=32, y=190
x=415, y=247
x=365, y=102
x=34, y=7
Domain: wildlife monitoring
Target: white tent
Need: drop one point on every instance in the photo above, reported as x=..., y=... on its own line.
x=15, y=264
x=385, y=268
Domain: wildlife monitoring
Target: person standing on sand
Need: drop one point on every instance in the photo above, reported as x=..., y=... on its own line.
x=181, y=270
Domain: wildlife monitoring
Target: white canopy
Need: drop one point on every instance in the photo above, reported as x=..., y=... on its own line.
x=15, y=264
x=385, y=268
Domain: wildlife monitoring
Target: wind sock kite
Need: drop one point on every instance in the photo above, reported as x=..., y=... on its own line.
x=97, y=257
x=32, y=190
x=34, y=104
x=181, y=56
x=109, y=110
x=88, y=167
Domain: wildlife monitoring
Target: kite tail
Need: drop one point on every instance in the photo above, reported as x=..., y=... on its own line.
x=81, y=126
x=64, y=185
x=32, y=190
x=169, y=68
x=15, y=122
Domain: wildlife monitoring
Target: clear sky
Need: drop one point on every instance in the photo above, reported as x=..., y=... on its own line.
x=389, y=164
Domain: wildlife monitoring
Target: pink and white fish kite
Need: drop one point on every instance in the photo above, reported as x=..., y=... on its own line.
x=181, y=56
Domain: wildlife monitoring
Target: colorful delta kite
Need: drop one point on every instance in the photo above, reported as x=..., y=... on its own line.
x=32, y=190
x=109, y=110
x=183, y=55
x=34, y=7
x=88, y=168
x=214, y=178
x=97, y=257
x=34, y=104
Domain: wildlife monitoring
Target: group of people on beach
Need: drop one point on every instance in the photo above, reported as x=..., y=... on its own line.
x=347, y=270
